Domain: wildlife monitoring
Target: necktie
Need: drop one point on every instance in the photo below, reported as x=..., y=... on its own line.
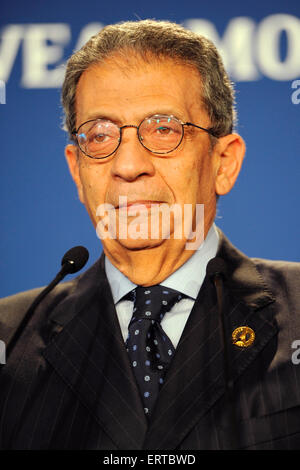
x=149, y=348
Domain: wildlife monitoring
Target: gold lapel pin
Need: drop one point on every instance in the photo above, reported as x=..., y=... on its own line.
x=243, y=336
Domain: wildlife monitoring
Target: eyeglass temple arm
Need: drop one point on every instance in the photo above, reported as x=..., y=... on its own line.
x=199, y=127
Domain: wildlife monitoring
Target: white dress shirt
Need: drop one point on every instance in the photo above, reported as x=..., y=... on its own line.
x=187, y=279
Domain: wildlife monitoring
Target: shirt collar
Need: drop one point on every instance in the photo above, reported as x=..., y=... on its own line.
x=187, y=279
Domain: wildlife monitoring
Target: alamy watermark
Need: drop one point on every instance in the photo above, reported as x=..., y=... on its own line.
x=137, y=221
x=2, y=352
x=296, y=354
x=2, y=92
x=295, y=97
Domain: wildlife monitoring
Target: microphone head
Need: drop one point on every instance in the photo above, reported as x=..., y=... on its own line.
x=74, y=259
x=216, y=266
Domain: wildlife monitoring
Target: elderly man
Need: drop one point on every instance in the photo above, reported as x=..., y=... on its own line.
x=145, y=350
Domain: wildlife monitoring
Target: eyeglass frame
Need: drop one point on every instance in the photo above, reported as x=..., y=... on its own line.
x=75, y=133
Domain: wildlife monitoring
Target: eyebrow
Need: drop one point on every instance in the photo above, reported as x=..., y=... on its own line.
x=113, y=118
x=99, y=115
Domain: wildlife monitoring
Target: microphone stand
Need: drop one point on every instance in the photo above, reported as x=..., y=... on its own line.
x=73, y=261
x=218, y=282
x=216, y=270
x=62, y=273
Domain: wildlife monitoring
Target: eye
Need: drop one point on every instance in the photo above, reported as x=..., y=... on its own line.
x=102, y=134
x=100, y=138
x=164, y=130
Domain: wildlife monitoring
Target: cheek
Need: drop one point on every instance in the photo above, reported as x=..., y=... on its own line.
x=182, y=182
x=188, y=179
x=198, y=181
x=93, y=184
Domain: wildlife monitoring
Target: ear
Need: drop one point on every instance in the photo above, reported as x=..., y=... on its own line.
x=72, y=157
x=229, y=152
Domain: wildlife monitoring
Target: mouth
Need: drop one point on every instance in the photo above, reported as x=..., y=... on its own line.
x=139, y=204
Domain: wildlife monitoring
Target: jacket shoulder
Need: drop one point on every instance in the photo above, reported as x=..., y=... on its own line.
x=283, y=273
x=283, y=278
x=258, y=281
x=14, y=307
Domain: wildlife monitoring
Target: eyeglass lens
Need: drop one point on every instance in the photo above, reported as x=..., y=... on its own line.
x=159, y=134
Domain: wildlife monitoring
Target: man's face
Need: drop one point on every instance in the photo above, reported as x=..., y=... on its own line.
x=127, y=96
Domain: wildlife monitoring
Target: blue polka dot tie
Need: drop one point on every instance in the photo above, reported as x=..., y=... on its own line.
x=149, y=348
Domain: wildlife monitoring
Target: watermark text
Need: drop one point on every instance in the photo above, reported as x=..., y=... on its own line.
x=2, y=92
x=296, y=354
x=2, y=352
x=155, y=221
x=295, y=97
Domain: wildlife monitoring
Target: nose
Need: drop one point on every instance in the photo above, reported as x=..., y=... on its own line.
x=131, y=160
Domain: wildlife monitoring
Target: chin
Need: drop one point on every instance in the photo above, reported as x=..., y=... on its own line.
x=139, y=244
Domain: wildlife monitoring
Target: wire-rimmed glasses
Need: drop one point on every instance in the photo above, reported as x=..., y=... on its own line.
x=160, y=134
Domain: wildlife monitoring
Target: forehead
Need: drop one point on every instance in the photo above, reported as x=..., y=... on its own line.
x=132, y=89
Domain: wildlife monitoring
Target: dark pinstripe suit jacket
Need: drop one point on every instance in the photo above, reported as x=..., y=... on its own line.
x=68, y=383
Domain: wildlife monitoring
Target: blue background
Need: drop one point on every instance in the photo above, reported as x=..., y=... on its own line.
x=41, y=216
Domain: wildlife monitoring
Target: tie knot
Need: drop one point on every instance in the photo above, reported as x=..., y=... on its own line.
x=153, y=302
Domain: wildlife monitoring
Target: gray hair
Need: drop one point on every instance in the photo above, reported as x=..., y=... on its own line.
x=150, y=39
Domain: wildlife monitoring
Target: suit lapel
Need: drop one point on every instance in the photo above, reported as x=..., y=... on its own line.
x=89, y=355
x=195, y=380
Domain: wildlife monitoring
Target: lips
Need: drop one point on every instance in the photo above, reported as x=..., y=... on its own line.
x=140, y=203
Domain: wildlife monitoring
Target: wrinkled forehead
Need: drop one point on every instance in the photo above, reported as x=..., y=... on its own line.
x=132, y=81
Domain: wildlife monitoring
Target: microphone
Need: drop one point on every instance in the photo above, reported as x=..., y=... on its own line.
x=72, y=261
x=216, y=270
